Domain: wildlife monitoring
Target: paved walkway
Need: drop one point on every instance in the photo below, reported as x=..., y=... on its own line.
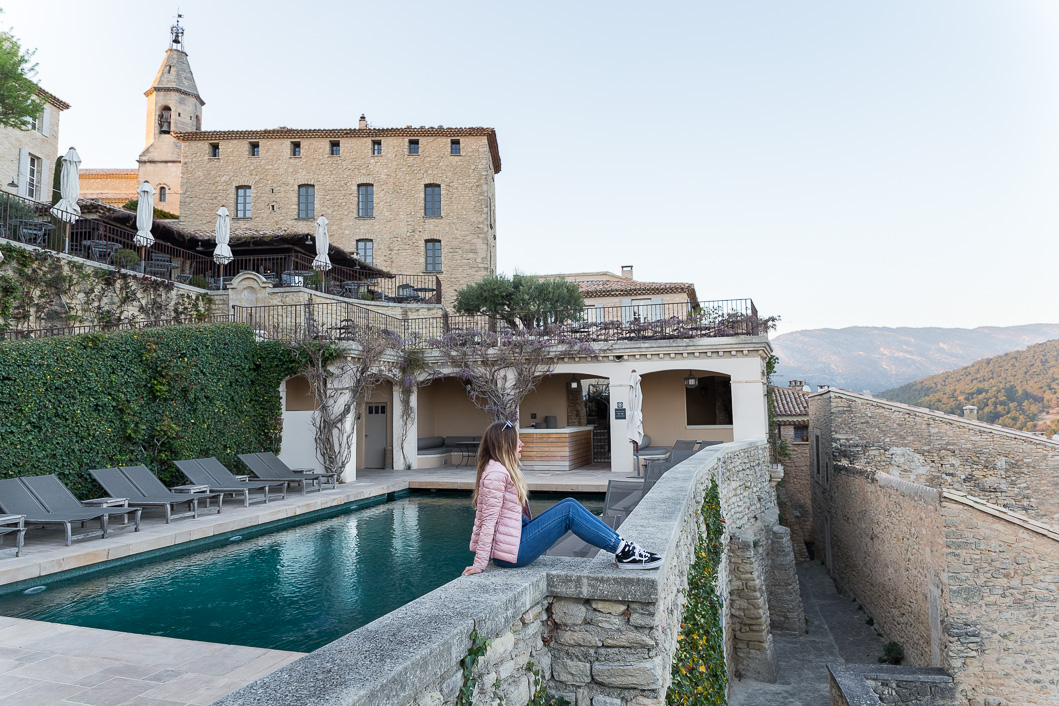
x=837, y=633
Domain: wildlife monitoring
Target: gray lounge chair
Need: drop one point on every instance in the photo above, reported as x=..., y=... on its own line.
x=16, y=499
x=56, y=497
x=684, y=444
x=267, y=466
x=622, y=497
x=572, y=545
x=143, y=489
x=211, y=472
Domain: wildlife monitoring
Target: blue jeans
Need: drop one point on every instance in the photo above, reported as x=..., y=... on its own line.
x=543, y=531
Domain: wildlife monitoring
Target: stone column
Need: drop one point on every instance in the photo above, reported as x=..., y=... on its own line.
x=749, y=409
x=748, y=572
x=405, y=438
x=785, y=598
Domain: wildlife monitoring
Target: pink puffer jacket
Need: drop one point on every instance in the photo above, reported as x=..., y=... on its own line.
x=498, y=519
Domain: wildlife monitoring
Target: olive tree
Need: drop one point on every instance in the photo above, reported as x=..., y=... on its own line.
x=522, y=301
x=19, y=101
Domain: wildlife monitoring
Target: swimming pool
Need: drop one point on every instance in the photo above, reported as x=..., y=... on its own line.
x=295, y=589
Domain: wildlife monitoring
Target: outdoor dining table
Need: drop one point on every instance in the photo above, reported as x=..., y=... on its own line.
x=424, y=291
x=31, y=231
x=160, y=269
x=100, y=250
x=296, y=278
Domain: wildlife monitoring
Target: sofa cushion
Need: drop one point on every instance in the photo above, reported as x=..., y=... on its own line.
x=430, y=442
x=646, y=441
x=453, y=440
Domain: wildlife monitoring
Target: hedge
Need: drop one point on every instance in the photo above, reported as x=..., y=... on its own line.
x=149, y=397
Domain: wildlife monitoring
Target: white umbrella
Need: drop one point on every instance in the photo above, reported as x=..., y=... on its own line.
x=222, y=254
x=69, y=189
x=634, y=423
x=144, y=215
x=322, y=263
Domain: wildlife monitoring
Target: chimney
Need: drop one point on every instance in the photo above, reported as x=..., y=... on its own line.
x=795, y=384
x=363, y=125
x=970, y=412
x=626, y=271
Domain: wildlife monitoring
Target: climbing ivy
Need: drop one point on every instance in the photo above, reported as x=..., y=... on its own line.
x=699, y=675
x=76, y=403
x=479, y=646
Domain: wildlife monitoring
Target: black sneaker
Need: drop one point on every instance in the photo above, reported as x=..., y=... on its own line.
x=631, y=556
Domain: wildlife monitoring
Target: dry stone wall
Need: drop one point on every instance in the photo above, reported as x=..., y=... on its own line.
x=1012, y=469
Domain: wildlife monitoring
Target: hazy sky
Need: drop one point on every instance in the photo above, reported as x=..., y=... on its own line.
x=842, y=163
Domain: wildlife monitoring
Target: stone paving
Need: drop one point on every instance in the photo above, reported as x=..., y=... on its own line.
x=837, y=633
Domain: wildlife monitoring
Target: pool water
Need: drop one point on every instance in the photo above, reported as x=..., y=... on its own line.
x=295, y=589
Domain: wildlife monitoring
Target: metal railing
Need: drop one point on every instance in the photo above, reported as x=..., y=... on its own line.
x=94, y=239
x=344, y=321
x=21, y=334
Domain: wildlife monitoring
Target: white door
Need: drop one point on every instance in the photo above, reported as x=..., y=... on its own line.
x=375, y=437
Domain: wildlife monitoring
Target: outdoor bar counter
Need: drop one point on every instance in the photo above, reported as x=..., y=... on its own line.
x=556, y=449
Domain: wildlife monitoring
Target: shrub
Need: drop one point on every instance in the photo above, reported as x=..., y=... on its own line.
x=893, y=653
x=199, y=281
x=125, y=258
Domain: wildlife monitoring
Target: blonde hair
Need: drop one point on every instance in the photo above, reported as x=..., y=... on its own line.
x=500, y=444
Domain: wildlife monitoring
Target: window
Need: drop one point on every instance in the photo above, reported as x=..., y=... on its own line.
x=198, y=122
x=165, y=119
x=816, y=452
x=801, y=434
x=376, y=147
x=295, y=149
x=336, y=148
x=413, y=147
x=710, y=402
x=35, y=122
x=366, y=251
x=365, y=201
x=432, y=201
x=306, y=201
x=242, y=202
x=433, y=256
x=33, y=182
x=255, y=149
x=215, y=149
x=454, y=147
x=161, y=194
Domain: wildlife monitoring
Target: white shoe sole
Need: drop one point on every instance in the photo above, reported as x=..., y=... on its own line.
x=640, y=566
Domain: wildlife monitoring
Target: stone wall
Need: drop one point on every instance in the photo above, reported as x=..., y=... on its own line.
x=44, y=147
x=397, y=228
x=1013, y=469
x=55, y=290
x=599, y=636
x=796, y=481
x=869, y=685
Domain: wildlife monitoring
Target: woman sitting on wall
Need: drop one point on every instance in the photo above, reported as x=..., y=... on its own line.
x=506, y=532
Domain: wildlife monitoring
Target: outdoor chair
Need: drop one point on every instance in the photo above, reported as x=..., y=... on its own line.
x=622, y=497
x=684, y=444
x=143, y=489
x=680, y=456
x=56, y=497
x=267, y=466
x=211, y=472
x=16, y=499
x=572, y=545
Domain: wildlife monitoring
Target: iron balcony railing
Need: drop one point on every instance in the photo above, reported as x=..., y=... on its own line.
x=344, y=321
x=21, y=334
x=94, y=239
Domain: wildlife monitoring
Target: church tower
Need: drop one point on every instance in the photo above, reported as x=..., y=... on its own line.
x=173, y=105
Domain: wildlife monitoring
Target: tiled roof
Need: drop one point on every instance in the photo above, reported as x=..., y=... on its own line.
x=54, y=100
x=286, y=133
x=632, y=288
x=789, y=402
x=106, y=172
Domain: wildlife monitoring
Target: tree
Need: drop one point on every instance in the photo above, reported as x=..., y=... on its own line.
x=19, y=101
x=499, y=370
x=522, y=301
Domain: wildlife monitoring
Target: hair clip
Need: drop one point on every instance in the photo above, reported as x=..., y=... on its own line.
x=509, y=425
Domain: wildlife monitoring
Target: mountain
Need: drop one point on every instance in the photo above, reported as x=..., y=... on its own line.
x=873, y=358
x=1019, y=389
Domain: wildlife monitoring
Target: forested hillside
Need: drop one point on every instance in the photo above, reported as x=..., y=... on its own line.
x=1018, y=389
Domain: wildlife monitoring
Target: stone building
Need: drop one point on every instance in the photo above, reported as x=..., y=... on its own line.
x=945, y=530
x=27, y=157
x=407, y=200
x=114, y=187
x=644, y=300
x=791, y=409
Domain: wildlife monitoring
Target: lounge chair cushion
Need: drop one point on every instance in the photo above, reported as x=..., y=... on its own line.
x=430, y=442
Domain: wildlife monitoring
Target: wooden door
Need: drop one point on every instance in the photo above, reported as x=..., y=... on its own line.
x=375, y=436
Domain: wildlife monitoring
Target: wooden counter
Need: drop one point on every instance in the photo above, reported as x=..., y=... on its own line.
x=556, y=449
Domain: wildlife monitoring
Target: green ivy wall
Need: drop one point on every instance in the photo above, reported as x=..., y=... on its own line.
x=76, y=403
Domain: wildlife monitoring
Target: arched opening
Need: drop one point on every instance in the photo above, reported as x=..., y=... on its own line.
x=687, y=404
x=375, y=428
x=165, y=120
x=565, y=422
x=298, y=445
x=162, y=194
x=447, y=420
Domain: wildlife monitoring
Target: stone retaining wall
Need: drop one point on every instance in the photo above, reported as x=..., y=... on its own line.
x=597, y=635
x=870, y=685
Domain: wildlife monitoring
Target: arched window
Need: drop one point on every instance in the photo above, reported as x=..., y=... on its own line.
x=198, y=122
x=165, y=119
x=161, y=194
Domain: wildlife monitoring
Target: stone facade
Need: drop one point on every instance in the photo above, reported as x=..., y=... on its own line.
x=41, y=142
x=397, y=226
x=111, y=186
x=1009, y=468
x=798, y=488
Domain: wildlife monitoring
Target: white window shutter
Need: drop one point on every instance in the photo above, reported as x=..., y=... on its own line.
x=23, y=172
x=626, y=310
x=46, y=182
x=656, y=309
x=45, y=126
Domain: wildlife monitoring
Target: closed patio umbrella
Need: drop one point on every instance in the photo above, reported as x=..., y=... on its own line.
x=144, y=215
x=634, y=425
x=322, y=263
x=222, y=254
x=67, y=209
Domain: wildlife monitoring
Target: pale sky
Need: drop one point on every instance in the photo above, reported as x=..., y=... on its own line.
x=842, y=163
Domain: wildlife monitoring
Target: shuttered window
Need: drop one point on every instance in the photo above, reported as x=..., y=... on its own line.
x=432, y=200
x=365, y=201
x=306, y=201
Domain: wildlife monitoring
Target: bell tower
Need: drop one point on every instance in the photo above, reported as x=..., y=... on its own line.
x=173, y=105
